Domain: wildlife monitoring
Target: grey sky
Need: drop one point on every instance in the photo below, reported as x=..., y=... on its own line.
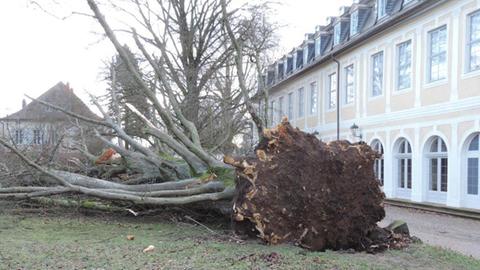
x=38, y=50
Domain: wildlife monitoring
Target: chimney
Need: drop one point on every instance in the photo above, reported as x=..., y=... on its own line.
x=24, y=103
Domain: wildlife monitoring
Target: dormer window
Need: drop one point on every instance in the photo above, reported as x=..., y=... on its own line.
x=381, y=8
x=354, y=23
x=337, y=30
x=317, y=46
x=294, y=61
x=299, y=59
x=306, y=53
x=280, y=70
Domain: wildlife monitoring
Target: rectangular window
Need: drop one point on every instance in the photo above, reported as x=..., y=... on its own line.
x=18, y=136
x=472, y=185
x=332, y=91
x=37, y=137
x=301, y=102
x=437, y=62
x=474, y=42
x=290, y=106
x=354, y=23
x=336, y=33
x=280, y=109
x=313, y=98
x=377, y=74
x=381, y=8
x=404, y=62
x=349, y=84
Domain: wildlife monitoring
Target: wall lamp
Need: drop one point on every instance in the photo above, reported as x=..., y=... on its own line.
x=356, y=131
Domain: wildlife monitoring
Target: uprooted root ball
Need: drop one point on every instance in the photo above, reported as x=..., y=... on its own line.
x=298, y=189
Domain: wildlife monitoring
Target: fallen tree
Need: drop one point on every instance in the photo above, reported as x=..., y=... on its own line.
x=298, y=189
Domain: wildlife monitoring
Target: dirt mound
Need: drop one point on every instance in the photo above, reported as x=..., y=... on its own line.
x=300, y=190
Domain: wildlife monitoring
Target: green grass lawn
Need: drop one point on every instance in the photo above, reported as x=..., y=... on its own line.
x=66, y=241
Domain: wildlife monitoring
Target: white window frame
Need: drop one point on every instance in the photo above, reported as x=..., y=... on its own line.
x=438, y=155
x=332, y=88
x=437, y=55
x=381, y=74
x=290, y=106
x=471, y=42
x=349, y=87
x=401, y=66
x=473, y=154
x=313, y=98
x=404, y=155
x=301, y=102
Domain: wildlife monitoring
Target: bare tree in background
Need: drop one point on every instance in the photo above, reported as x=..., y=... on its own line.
x=199, y=77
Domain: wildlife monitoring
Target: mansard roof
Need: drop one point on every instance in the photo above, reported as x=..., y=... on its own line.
x=60, y=95
x=368, y=26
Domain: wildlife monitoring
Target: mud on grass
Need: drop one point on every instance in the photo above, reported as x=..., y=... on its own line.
x=65, y=241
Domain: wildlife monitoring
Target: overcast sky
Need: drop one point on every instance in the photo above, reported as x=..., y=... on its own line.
x=38, y=50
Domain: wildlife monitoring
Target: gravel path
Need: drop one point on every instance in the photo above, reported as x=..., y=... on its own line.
x=459, y=234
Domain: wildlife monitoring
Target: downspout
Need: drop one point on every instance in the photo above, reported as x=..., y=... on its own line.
x=338, y=95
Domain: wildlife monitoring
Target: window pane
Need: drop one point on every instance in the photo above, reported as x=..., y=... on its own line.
x=349, y=85
x=377, y=74
x=444, y=146
x=438, y=54
x=336, y=30
x=401, y=171
x=434, y=147
x=472, y=168
x=444, y=175
x=404, y=65
x=313, y=98
x=475, y=56
x=433, y=174
x=474, y=144
x=409, y=173
x=354, y=23
x=301, y=100
x=332, y=93
x=290, y=106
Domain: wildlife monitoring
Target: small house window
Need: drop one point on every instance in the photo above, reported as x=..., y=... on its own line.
x=404, y=164
x=280, y=109
x=37, y=139
x=438, y=164
x=473, y=166
x=378, y=165
x=18, y=136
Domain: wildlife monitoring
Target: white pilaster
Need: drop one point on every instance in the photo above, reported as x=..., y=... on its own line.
x=456, y=40
x=454, y=185
x=389, y=178
x=418, y=186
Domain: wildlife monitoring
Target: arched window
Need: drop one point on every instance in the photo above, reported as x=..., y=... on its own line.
x=438, y=165
x=473, y=166
x=404, y=164
x=378, y=166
